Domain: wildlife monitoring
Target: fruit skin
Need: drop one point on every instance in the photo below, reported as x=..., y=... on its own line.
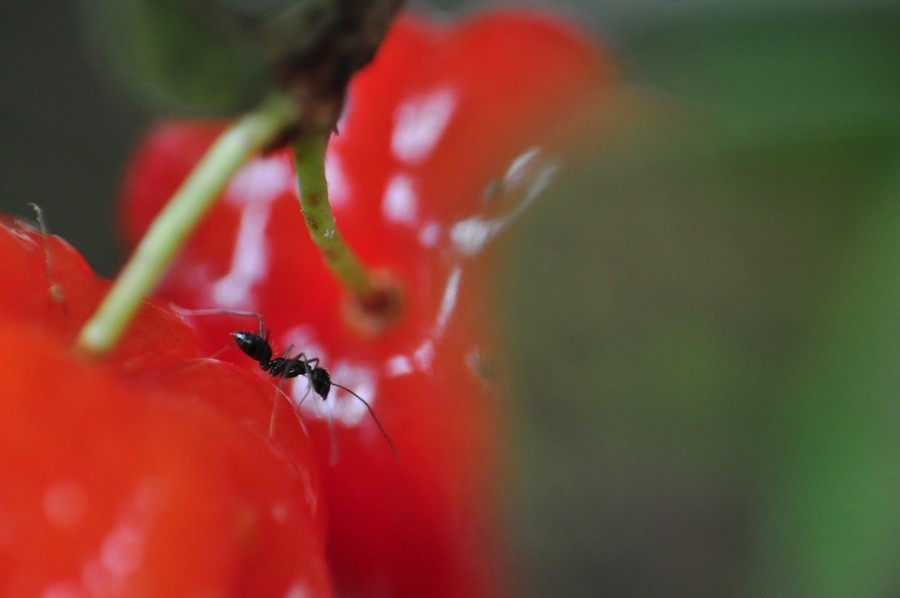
x=436, y=120
x=60, y=297
x=150, y=472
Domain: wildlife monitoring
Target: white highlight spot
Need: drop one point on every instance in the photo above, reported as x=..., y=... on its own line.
x=518, y=171
x=290, y=344
x=448, y=302
x=96, y=579
x=249, y=262
x=254, y=189
x=419, y=124
x=341, y=406
x=300, y=338
x=424, y=355
x=400, y=203
x=123, y=551
x=298, y=590
x=338, y=183
x=259, y=180
x=280, y=511
x=66, y=589
x=471, y=235
x=398, y=365
x=344, y=407
x=65, y=503
x=345, y=112
x=430, y=234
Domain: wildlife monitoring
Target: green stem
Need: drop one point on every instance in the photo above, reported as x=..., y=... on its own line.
x=172, y=226
x=309, y=161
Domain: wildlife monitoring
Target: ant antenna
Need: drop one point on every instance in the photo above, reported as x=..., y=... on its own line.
x=53, y=289
x=384, y=433
x=184, y=311
x=281, y=391
x=321, y=383
x=281, y=378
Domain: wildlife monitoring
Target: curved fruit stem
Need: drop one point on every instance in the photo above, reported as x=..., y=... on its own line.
x=309, y=162
x=170, y=229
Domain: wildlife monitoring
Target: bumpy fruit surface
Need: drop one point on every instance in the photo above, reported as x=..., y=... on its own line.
x=148, y=472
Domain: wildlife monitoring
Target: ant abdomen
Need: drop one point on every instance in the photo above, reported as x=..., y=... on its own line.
x=256, y=348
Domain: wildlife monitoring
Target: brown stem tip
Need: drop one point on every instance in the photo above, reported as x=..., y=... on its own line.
x=372, y=313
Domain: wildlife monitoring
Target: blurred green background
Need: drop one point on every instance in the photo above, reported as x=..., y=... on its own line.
x=705, y=319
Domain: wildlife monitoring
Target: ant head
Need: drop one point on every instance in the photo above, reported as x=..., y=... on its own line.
x=253, y=345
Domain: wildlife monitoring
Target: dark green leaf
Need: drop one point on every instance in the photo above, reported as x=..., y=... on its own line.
x=173, y=58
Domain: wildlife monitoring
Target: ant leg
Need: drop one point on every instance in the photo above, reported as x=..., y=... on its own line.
x=282, y=376
x=287, y=371
x=310, y=365
x=305, y=395
x=184, y=311
x=279, y=391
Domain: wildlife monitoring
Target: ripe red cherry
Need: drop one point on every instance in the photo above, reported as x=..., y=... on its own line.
x=150, y=472
x=446, y=136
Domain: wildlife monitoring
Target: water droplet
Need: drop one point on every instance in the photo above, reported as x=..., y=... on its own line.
x=527, y=176
x=481, y=365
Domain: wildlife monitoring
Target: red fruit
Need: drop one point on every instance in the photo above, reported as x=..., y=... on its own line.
x=146, y=473
x=417, y=184
x=60, y=294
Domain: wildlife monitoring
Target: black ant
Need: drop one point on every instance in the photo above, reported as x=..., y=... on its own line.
x=256, y=346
